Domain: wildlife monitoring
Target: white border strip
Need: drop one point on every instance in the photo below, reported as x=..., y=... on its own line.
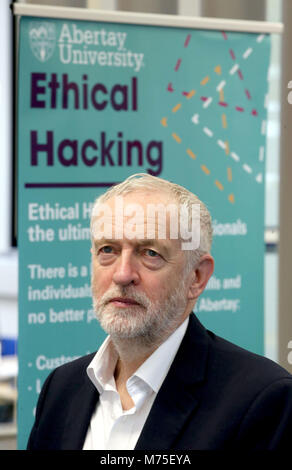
x=146, y=19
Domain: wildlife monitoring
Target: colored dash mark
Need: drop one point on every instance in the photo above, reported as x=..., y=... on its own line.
x=221, y=85
x=190, y=94
x=261, y=154
x=218, y=69
x=164, y=121
x=208, y=131
x=221, y=144
x=222, y=103
x=176, y=108
x=177, y=65
x=231, y=198
x=224, y=121
x=234, y=69
x=247, y=168
x=254, y=112
x=247, y=53
x=221, y=95
x=247, y=94
x=169, y=87
x=239, y=108
x=232, y=54
x=176, y=138
x=205, y=80
x=229, y=174
x=239, y=72
x=205, y=169
x=207, y=102
x=191, y=153
x=219, y=185
x=227, y=149
x=260, y=37
x=235, y=156
x=187, y=40
x=259, y=178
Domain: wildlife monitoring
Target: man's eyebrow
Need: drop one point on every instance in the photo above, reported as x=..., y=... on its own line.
x=142, y=243
x=102, y=241
x=158, y=244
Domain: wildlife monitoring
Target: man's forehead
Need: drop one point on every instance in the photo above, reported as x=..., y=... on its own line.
x=141, y=215
x=134, y=214
x=134, y=222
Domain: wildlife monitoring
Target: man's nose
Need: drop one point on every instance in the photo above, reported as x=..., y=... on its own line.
x=126, y=270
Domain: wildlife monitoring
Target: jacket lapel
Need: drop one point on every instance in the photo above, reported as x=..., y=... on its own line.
x=82, y=406
x=179, y=394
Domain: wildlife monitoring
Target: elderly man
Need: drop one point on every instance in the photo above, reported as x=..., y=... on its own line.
x=160, y=380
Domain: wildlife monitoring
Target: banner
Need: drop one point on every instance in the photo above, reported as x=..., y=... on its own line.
x=99, y=101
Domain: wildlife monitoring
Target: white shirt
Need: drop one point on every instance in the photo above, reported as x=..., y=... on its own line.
x=111, y=427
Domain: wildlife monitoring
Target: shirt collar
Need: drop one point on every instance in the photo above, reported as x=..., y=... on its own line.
x=153, y=371
x=102, y=367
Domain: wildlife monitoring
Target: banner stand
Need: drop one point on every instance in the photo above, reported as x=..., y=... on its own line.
x=101, y=96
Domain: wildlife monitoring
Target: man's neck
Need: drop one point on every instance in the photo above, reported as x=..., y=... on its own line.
x=131, y=357
x=132, y=352
x=126, y=366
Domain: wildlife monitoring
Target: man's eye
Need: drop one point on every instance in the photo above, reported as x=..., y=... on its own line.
x=106, y=249
x=152, y=253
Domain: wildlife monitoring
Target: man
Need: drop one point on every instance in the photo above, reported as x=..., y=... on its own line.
x=160, y=380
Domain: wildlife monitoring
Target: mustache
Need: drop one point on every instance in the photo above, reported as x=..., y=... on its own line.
x=127, y=293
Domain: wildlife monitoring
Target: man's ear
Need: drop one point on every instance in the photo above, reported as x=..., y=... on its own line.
x=200, y=276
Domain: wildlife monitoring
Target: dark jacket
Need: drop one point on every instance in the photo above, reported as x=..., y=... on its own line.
x=215, y=396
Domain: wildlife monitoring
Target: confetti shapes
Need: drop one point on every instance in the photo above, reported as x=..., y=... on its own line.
x=209, y=81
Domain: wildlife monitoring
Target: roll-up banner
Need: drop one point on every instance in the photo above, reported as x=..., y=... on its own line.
x=102, y=96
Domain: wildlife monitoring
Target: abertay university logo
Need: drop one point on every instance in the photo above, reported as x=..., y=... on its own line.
x=42, y=38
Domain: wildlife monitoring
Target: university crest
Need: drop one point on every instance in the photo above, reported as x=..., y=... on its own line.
x=42, y=38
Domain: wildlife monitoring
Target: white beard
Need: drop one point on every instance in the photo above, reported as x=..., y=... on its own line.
x=143, y=326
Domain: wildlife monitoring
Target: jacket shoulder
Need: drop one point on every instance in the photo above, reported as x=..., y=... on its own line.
x=81, y=363
x=243, y=363
x=66, y=392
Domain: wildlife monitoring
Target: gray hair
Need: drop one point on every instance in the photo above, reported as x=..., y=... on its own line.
x=144, y=181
